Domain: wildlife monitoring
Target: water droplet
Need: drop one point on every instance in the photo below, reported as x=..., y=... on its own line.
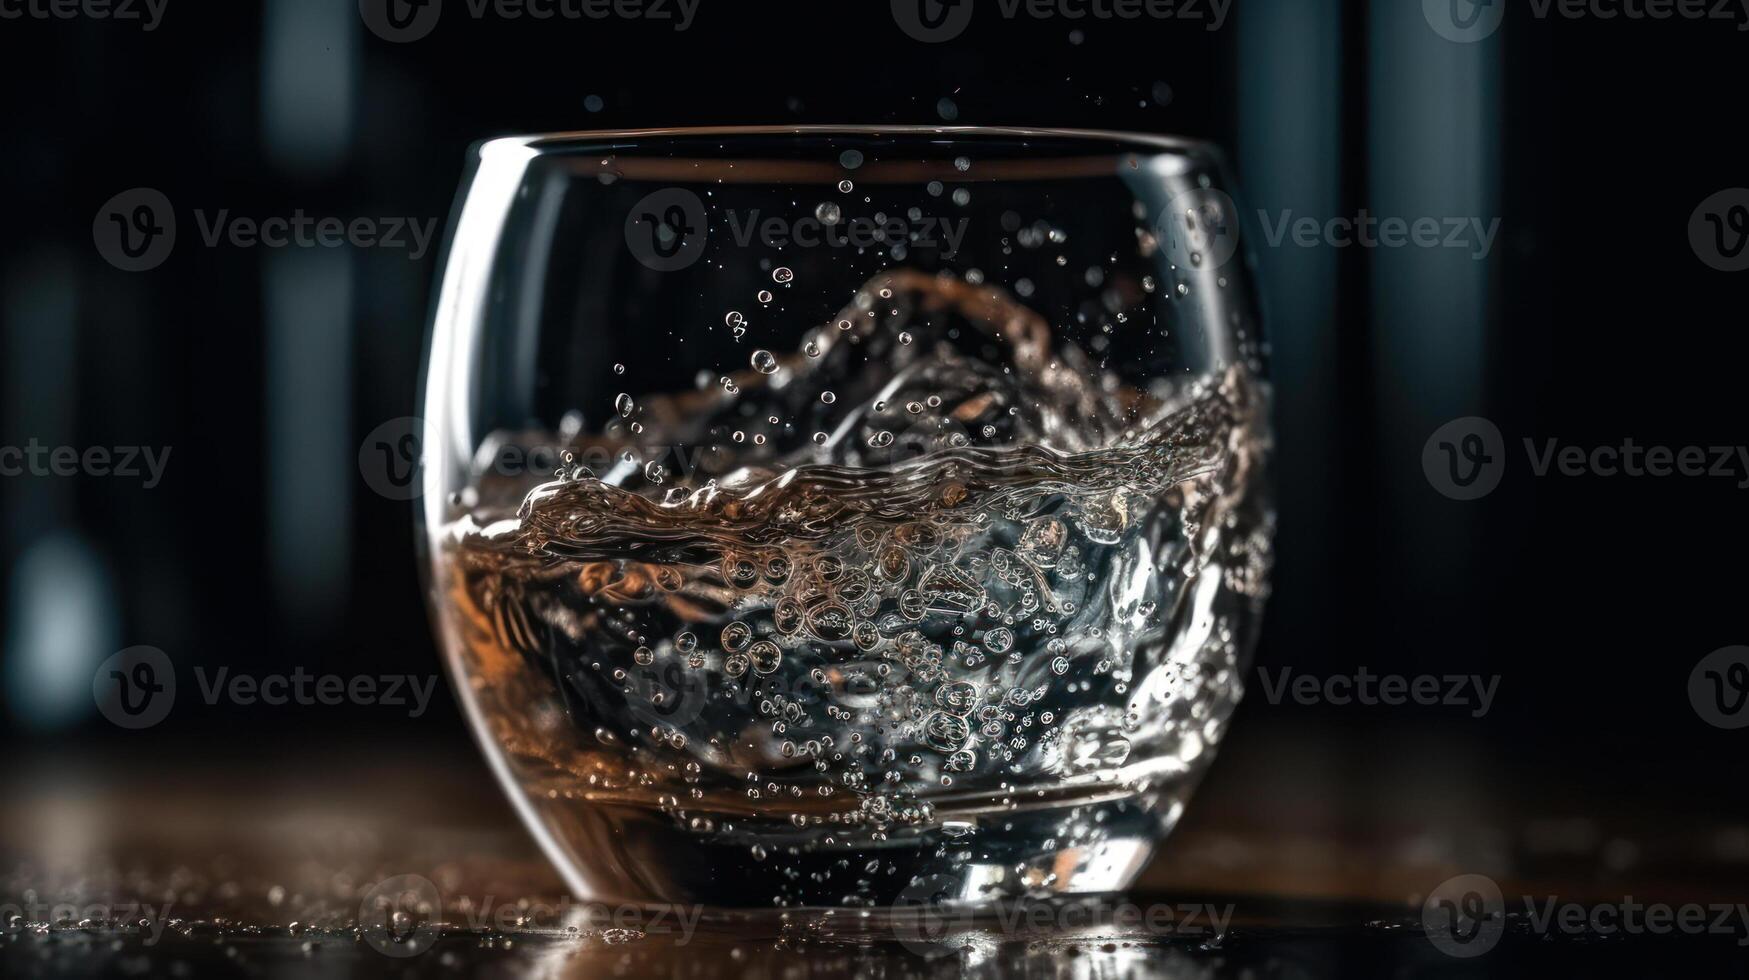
x=846, y=186
x=783, y=273
x=736, y=636
x=905, y=338
x=623, y=404
x=957, y=697
x=945, y=732
x=765, y=296
x=619, y=369
x=764, y=361
x=828, y=397
x=765, y=656
x=811, y=349
x=644, y=656
x=734, y=319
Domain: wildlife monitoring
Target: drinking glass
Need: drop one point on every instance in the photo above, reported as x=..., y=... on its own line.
x=821, y=517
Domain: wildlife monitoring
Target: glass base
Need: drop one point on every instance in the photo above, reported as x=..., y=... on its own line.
x=966, y=855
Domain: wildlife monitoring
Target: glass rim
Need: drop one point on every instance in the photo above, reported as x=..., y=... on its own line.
x=565, y=139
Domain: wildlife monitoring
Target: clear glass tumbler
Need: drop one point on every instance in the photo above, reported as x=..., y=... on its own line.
x=817, y=516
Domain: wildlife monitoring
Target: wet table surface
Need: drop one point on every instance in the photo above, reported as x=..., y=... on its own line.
x=152, y=867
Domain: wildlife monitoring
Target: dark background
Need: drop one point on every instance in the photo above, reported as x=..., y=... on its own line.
x=1592, y=320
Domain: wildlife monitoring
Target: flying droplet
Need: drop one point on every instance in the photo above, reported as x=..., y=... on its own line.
x=623, y=404
x=783, y=273
x=765, y=362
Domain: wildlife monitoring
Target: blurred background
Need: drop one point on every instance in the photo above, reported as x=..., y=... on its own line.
x=1590, y=319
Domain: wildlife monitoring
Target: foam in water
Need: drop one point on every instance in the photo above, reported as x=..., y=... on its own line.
x=943, y=602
